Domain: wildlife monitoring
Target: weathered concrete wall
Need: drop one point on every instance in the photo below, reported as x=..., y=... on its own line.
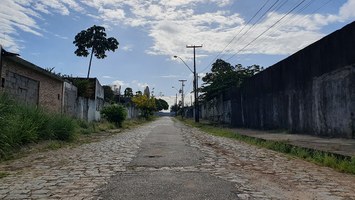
x=132, y=111
x=89, y=108
x=312, y=91
x=218, y=109
x=70, y=97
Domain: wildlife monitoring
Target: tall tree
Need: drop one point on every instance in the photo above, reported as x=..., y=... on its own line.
x=94, y=39
x=223, y=75
x=161, y=104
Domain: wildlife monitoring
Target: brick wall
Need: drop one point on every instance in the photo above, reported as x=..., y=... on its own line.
x=18, y=74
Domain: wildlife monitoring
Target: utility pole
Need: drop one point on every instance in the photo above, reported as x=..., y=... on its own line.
x=176, y=105
x=182, y=97
x=197, y=108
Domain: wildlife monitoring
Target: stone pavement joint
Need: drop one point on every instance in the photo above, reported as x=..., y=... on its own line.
x=256, y=173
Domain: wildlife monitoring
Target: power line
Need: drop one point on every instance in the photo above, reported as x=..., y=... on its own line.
x=298, y=20
x=261, y=17
x=262, y=7
x=285, y=15
x=240, y=31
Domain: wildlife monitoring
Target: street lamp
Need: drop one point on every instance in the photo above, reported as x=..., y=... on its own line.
x=195, y=84
x=184, y=63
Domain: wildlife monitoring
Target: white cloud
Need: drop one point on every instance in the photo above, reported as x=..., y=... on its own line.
x=347, y=10
x=174, y=23
x=127, y=47
x=111, y=15
x=61, y=37
x=22, y=15
x=169, y=76
x=119, y=83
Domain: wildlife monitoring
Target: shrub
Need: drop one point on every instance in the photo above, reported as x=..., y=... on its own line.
x=115, y=113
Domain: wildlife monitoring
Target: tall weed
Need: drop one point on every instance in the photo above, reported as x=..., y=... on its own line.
x=22, y=124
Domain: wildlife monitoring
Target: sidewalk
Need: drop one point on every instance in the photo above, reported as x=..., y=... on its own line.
x=340, y=146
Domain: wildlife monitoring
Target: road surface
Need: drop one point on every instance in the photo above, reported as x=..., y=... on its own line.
x=167, y=160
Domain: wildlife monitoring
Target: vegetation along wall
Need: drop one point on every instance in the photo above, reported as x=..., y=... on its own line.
x=312, y=91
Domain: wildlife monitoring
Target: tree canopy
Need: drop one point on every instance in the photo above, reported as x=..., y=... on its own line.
x=108, y=93
x=223, y=75
x=145, y=104
x=161, y=104
x=94, y=38
x=128, y=92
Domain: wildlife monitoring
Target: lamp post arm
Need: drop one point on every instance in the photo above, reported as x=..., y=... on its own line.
x=184, y=63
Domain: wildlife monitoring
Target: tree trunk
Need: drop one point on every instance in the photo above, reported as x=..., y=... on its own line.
x=92, y=53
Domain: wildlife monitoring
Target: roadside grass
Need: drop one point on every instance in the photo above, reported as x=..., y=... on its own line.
x=3, y=174
x=337, y=162
x=25, y=129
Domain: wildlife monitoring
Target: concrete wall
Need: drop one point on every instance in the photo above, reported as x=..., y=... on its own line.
x=89, y=108
x=31, y=84
x=218, y=109
x=70, y=97
x=312, y=91
x=132, y=111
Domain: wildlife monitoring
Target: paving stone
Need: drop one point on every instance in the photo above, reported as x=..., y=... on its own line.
x=79, y=173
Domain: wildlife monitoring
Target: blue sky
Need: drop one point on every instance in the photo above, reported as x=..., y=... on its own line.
x=151, y=32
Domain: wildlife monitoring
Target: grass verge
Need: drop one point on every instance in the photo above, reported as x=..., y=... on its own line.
x=25, y=129
x=338, y=162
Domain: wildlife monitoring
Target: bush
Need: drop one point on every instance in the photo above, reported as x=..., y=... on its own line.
x=115, y=113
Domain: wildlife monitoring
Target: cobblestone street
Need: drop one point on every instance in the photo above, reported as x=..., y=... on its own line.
x=86, y=172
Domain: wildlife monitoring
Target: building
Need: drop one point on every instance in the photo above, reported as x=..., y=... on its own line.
x=31, y=84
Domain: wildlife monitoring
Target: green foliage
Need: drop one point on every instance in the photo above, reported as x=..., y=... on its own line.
x=94, y=38
x=21, y=125
x=128, y=92
x=145, y=104
x=115, y=113
x=174, y=108
x=62, y=127
x=83, y=86
x=3, y=174
x=138, y=93
x=223, y=76
x=108, y=93
x=161, y=104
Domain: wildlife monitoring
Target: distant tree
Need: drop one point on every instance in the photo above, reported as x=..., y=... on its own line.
x=223, y=75
x=175, y=108
x=108, y=93
x=145, y=104
x=138, y=93
x=161, y=104
x=94, y=38
x=128, y=92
